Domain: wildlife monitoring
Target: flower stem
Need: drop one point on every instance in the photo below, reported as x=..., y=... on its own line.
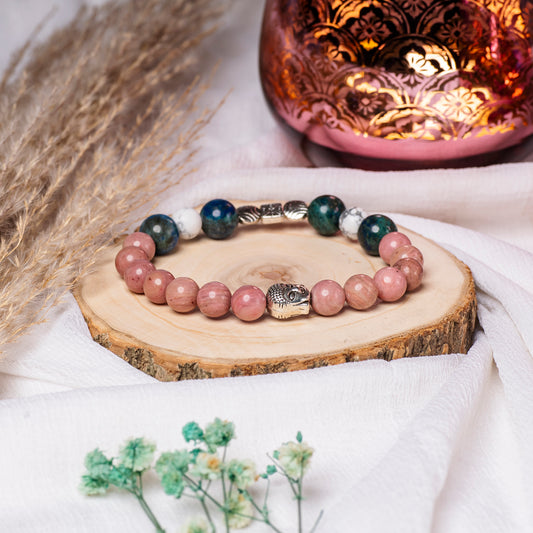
x=317, y=521
x=208, y=516
x=299, y=506
x=149, y=513
x=299, y=497
x=224, y=493
x=197, y=487
x=266, y=494
x=263, y=512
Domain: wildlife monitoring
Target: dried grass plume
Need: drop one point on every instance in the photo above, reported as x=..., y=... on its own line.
x=101, y=120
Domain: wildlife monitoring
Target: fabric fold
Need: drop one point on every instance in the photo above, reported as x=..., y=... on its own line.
x=438, y=444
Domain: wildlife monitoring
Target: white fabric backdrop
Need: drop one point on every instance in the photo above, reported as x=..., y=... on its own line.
x=432, y=444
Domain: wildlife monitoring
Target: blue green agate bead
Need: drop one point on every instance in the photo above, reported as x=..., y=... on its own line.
x=219, y=219
x=164, y=232
x=372, y=229
x=324, y=212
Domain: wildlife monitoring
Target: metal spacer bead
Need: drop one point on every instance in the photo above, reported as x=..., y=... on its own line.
x=272, y=213
x=248, y=214
x=295, y=210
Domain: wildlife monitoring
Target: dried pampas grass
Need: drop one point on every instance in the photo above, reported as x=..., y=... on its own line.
x=90, y=130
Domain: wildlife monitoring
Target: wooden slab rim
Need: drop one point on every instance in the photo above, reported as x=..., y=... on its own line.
x=451, y=332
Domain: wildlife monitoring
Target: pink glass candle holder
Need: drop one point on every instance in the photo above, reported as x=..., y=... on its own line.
x=410, y=80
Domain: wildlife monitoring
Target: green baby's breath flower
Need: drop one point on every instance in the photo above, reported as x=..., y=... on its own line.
x=271, y=469
x=101, y=473
x=194, y=453
x=99, y=469
x=97, y=464
x=177, y=461
x=137, y=454
x=170, y=468
x=195, y=525
x=218, y=433
x=207, y=466
x=173, y=484
x=241, y=473
x=294, y=457
x=122, y=477
x=192, y=431
x=240, y=511
x=190, y=473
x=92, y=486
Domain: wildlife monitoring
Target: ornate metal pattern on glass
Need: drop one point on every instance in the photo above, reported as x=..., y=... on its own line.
x=352, y=74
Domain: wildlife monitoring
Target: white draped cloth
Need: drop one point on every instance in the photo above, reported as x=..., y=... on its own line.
x=439, y=444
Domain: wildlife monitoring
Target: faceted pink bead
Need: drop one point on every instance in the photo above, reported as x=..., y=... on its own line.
x=361, y=292
x=127, y=256
x=391, y=284
x=390, y=242
x=136, y=274
x=412, y=270
x=327, y=297
x=214, y=299
x=248, y=303
x=155, y=285
x=407, y=251
x=181, y=294
x=141, y=240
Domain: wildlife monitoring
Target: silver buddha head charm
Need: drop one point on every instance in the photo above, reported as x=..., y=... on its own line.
x=286, y=300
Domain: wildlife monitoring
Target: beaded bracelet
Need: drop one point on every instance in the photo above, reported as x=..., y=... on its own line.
x=377, y=234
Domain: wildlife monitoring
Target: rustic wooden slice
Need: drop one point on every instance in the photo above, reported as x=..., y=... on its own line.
x=437, y=318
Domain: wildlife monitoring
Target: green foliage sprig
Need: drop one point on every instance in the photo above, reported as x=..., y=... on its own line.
x=193, y=472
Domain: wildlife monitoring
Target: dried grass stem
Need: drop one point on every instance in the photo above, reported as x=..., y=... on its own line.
x=101, y=120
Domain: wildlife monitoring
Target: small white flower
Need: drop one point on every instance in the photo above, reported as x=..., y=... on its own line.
x=241, y=473
x=196, y=524
x=295, y=457
x=240, y=511
x=207, y=466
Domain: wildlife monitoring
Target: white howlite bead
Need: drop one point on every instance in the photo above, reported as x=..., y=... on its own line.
x=350, y=220
x=189, y=223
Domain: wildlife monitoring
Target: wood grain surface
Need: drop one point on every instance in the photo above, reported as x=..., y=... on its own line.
x=437, y=318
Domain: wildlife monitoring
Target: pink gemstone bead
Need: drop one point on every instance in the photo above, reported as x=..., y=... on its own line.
x=136, y=274
x=361, y=292
x=412, y=270
x=181, y=294
x=141, y=240
x=127, y=256
x=155, y=285
x=248, y=303
x=391, y=284
x=407, y=251
x=390, y=242
x=327, y=297
x=214, y=299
